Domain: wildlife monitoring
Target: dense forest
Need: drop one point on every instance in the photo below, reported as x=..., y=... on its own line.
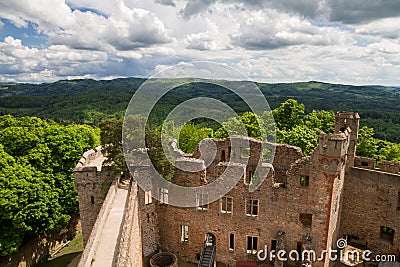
x=90, y=101
x=36, y=181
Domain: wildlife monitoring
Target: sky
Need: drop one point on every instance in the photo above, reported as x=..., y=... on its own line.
x=338, y=41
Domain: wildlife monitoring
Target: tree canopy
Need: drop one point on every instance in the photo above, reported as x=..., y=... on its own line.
x=36, y=182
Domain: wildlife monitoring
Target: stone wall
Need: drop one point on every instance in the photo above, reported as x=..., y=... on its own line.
x=340, y=199
x=130, y=245
x=96, y=229
x=365, y=163
x=92, y=181
x=279, y=208
x=371, y=200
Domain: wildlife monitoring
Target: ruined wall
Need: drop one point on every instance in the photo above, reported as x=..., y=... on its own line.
x=92, y=181
x=130, y=246
x=148, y=217
x=96, y=229
x=371, y=200
x=279, y=210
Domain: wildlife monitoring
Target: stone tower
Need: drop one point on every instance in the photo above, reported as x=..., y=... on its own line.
x=344, y=120
x=92, y=182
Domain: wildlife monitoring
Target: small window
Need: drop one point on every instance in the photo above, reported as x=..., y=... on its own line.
x=245, y=152
x=387, y=235
x=223, y=159
x=252, y=244
x=304, y=181
x=184, y=233
x=232, y=242
x=147, y=198
x=252, y=207
x=163, y=195
x=92, y=200
x=306, y=219
x=273, y=245
x=226, y=205
x=364, y=163
x=202, y=202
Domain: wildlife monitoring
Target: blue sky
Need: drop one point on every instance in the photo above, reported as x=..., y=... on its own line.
x=338, y=41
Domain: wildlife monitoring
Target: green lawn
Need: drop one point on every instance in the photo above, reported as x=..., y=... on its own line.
x=66, y=255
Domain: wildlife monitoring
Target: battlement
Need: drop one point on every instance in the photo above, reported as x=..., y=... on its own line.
x=385, y=165
x=334, y=145
x=91, y=160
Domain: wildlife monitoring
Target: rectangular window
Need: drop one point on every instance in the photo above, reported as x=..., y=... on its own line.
x=147, y=198
x=306, y=219
x=163, y=195
x=231, y=242
x=202, y=201
x=304, y=181
x=252, y=243
x=252, y=207
x=273, y=245
x=226, y=205
x=184, y=233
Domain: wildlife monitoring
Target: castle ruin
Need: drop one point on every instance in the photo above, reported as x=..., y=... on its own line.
x=304, y=203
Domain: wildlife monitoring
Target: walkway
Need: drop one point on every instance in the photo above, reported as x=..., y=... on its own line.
x=107, y=245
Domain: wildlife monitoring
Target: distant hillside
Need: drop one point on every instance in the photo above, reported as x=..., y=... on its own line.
x=90, y=101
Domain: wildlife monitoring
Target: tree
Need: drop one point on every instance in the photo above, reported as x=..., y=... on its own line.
x=190, y=136
x=320, y=121
x=300, y=136
x=367, y=146
x=249, y=124
x=288, y=114
x=111, y=139
x=37, y=192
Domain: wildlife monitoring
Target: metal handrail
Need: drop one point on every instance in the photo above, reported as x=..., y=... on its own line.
x=212, y=255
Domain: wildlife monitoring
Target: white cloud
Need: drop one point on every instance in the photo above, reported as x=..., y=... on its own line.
x=203, y=41
x=270, y=29
x=124, y=29
x=288, y=40
x=388, y=28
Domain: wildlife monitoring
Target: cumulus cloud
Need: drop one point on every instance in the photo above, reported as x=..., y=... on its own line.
x=308, y=8
x=388, y=28
x=194, y=7
x=17, y=60
x=270, y=30
x=166, y=2
x=329, y=40
x=358, y=11
x=349, y=12
x=200, y=41
x=124, y=29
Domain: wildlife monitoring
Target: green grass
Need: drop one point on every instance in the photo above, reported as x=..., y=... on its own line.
x=66, y=255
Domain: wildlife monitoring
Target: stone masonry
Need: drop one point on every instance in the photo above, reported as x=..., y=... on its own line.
x=304, y=202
